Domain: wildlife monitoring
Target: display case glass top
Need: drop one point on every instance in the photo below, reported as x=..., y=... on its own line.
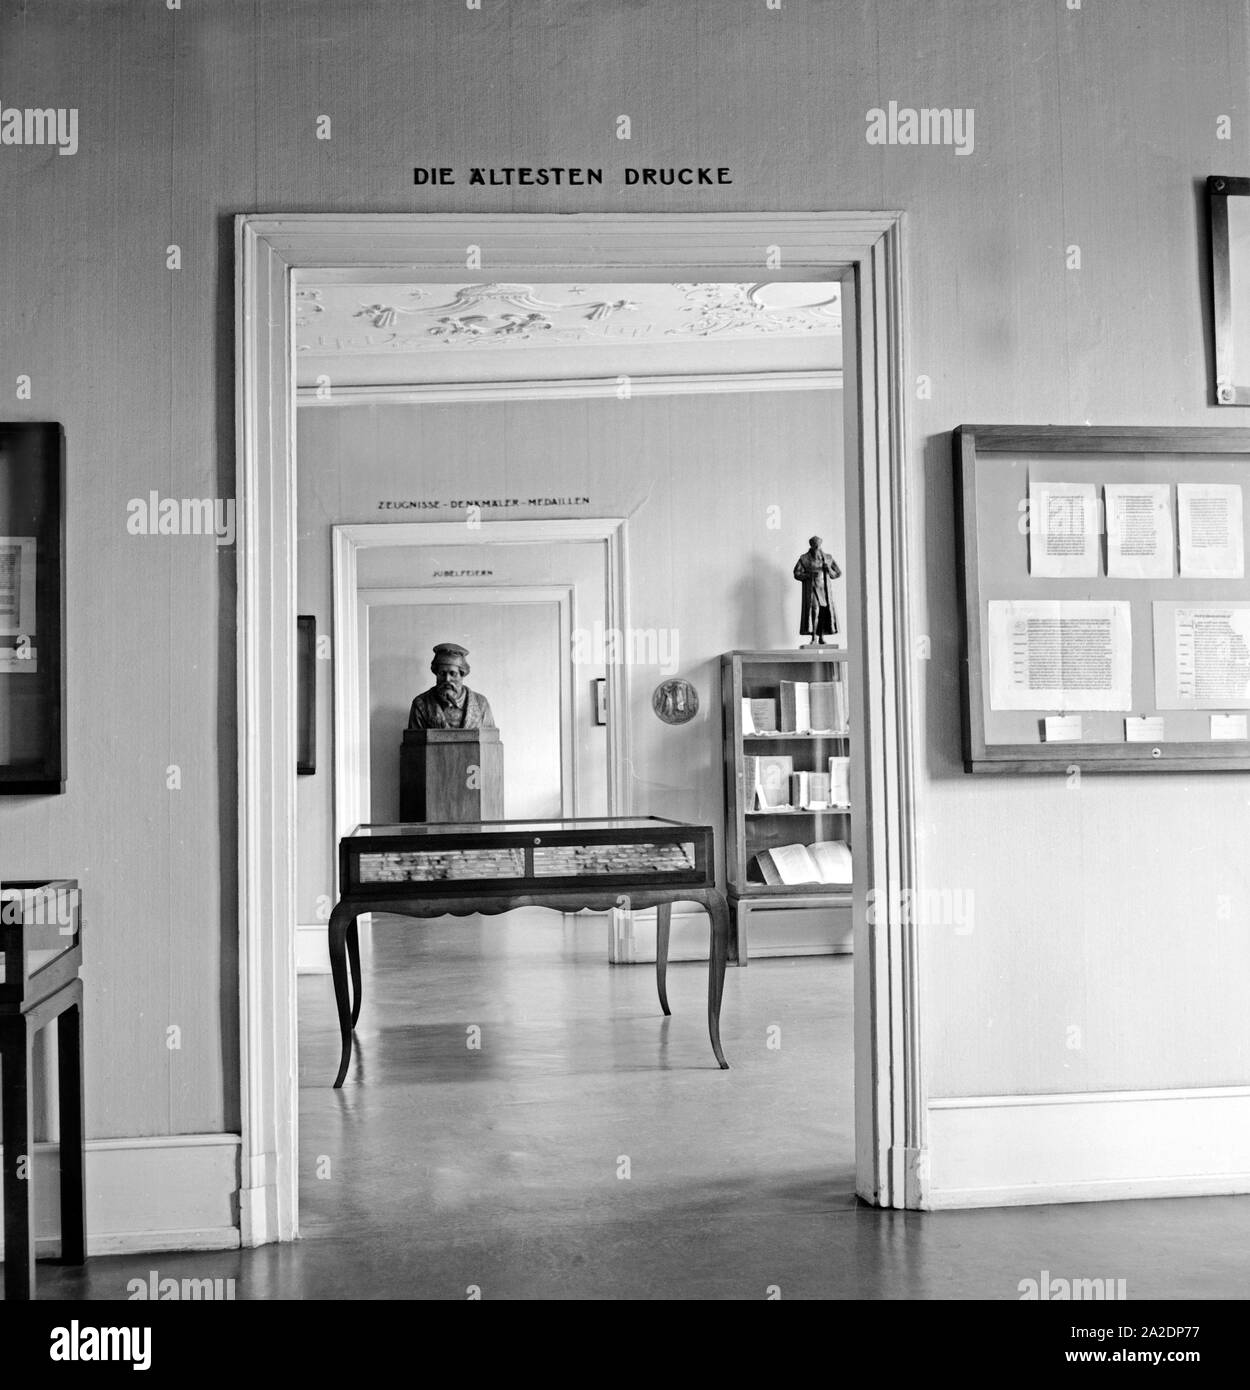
x=519, y=855
x=40, y=937
x=537, y=827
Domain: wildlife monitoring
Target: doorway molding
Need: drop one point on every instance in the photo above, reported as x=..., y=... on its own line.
x=862, y=250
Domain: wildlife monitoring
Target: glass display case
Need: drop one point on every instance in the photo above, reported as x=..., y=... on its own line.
x=40, y=957
x=787, y=748
x=40, y=939
x=32, y=609
x=521, y=855
x=430, y=869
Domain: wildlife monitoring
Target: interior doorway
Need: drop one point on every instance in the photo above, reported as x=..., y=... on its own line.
x=858, y=250
x=518, y=640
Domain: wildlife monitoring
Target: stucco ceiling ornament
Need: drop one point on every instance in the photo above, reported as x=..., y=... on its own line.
x=722, y=308
x=382, y=315
x=308, y=302
x=481, y=328
x=524, y=297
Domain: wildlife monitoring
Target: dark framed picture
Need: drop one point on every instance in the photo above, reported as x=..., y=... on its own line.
x=306, y=695
x=1228, y=207
x=1104, y=598
x=32, y=609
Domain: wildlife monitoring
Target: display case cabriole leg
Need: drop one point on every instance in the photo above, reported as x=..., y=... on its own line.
x=69, y=1034
x=340, y=919
x=663, y=921
x=353, y=960
x=19, y=1187
x=718, y=917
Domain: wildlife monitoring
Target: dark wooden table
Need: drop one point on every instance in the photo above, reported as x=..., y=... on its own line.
x=596, y=891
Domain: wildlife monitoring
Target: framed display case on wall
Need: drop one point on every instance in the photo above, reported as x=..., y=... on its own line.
x=1228, y=208
x=1104, y=598
x=306, y=706
x=32, y=609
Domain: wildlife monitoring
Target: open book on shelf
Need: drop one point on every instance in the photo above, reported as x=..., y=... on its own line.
x=827, y=861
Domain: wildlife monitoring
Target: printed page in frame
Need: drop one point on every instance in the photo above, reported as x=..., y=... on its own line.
x=1063, y=530
x=1202, y=655
x=1139, y=530
x=1212, y=542
x=1056, y=655
x=17, y=586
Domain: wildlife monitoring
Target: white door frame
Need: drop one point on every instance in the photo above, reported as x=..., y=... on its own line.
x=864, y=252
x=352, y=794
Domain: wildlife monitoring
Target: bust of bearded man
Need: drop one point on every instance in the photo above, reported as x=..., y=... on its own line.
x=449, y=703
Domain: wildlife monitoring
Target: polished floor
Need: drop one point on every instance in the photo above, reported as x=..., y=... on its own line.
x=588, y=1148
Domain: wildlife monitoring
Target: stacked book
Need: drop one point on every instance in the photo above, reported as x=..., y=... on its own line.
x=773, y=785
x=817, y=707
x=568, y=861
x=839, y=781
x=429, y=866
x=810, y=791
x=759, y=716
x=768, y=778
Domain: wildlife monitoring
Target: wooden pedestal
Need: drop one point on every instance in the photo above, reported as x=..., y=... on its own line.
x=451, y=775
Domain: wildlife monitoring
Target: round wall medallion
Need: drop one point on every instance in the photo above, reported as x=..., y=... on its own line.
x=675, y=701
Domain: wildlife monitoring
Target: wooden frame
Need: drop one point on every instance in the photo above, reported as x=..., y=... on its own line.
x=863, y=250
x=738, y=671
x=32, y=663
x=306, y=732
x=1230, y=270
x=972, y=445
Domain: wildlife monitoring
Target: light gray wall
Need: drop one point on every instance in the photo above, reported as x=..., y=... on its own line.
x=1121, y=909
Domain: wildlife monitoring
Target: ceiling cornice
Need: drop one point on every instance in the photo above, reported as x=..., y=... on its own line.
x=573, y=388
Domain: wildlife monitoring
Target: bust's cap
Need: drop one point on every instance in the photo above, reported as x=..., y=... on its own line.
x=450, y=649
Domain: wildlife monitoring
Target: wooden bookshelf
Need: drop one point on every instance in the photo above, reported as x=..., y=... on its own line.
x=781, y=919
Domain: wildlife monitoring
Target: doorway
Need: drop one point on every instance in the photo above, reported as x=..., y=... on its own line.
x=861, y=251
x=517, y=639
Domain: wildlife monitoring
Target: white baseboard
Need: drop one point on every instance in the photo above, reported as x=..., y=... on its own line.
x=1086, y=1147
x=688, y=937
x=177, y=1192
x=312, y=949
